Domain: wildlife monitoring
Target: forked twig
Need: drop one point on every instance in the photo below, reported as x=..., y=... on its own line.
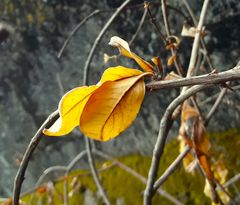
x=211, y=78
x=171, y=168
x=68, y=170
x=165, y=125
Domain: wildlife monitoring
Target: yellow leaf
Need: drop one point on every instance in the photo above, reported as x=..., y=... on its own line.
x=70, y=108
x=112, y=108
x=171, y=60
x=117, y=73
x=104, y=110
x=125, y=51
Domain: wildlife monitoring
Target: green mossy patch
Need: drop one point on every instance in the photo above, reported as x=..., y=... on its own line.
x=121, y=185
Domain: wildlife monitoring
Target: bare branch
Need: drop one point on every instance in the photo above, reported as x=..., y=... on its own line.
x=69, y=169
x=196, y=41
x=165, y=124
x=137, y=175
x=27, y=155
x=74, y=31
x=212, y=78
x=139, y=27
x=93, y=169
x=42, y=177
x=232, y=180
x=98, y=39
x=154, y=23
x=85, y=82
x=215, y=106
x=205, y=52
x=171, y=168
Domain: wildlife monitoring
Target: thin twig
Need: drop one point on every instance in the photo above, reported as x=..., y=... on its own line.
x=154, y=23
x=167, y=28
x=203, y=44
x=139, y=26
x=68, y=170
x=232, y=180
x=197, y=37
x=27, y=155
x=85, y=82
x=137, y=175
x=81, y=23
x=63, y=178
x=171, y=168
x=98, y=39
x=165, y=125
x=92, y=165
x=42, y=177
x=212, y=78
x=74, y=31
x=215, y=106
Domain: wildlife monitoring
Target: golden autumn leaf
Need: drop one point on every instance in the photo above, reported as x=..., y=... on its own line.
x=124, y=49
x=171, y=60
x=70, y=108
x=198, y=140
x=117, y=103
x=104, y=110
x=118, y=73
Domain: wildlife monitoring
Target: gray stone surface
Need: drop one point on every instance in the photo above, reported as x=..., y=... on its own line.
x=32, y=79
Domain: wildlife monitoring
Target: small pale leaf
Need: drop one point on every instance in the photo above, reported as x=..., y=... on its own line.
x=172, y=76
x=125, y=51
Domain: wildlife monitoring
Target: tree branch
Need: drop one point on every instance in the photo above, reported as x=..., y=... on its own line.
x=139, y=26
x=196, y=41
x=212, y=78
x=215, y=106
x=165, y=123
x=171, y=169
x=27, y=155
x=138, y=176
x=167, y=28
x=93, y=169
